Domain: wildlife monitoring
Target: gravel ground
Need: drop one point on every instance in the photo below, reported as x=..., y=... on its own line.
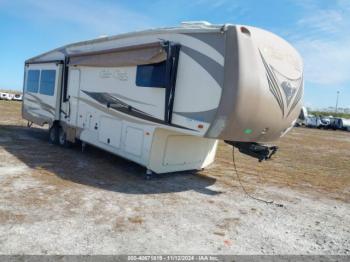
x=63, y=201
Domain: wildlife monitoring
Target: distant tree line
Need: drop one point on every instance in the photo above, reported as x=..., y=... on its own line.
x=321, y=113
x=10, y=91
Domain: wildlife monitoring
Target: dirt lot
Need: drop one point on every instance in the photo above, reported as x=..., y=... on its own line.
x=63, y=201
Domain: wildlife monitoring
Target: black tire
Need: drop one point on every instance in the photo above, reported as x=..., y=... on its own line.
x=62, y=138
x=53, y=135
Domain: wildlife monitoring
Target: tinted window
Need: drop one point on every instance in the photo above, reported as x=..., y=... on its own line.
x=33, y=81
x=47, y=82
x=152, y=75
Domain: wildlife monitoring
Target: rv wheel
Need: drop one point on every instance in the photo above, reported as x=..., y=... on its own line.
x=62, y=138
x=53, y=135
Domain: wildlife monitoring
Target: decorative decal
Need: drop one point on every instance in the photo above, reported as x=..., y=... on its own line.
x=297, y=98
x=105, y=74
x=114, y=103
x=119, y=74
x=279, y=83
x=38, y=101
x=289, y=86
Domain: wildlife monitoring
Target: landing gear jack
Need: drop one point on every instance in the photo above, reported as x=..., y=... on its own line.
x=83, y=146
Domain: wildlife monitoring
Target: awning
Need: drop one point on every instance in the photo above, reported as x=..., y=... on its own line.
x=124, y=56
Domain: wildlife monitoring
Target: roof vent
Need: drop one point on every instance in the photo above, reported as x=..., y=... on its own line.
x=195, y=23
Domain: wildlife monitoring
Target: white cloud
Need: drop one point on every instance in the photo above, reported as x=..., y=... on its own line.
x=326, y=62
x=323, y=40
x=323, y=21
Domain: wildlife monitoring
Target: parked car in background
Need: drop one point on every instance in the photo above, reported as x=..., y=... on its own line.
x=323, y=122
x=343, y=124
x=17, y=97
x=317, y=122
x=6, y=96
x=333, y=123
x=10, y=96
x=327, y=122
x=311, y=121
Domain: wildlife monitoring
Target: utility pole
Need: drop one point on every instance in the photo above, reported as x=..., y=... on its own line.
x=336, y=103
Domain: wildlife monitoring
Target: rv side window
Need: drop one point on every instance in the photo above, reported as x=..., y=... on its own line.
x=33, y=81
x=152, y=75
x=47, y=82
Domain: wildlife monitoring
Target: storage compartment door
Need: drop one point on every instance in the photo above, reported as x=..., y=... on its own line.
x=110, y=131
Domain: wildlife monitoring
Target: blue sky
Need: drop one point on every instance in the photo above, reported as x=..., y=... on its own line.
x=319, y=29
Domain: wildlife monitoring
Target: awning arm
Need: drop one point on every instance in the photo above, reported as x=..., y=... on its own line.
x=173, y=52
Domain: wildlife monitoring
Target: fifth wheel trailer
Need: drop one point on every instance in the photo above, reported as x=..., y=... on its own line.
x=164, y=97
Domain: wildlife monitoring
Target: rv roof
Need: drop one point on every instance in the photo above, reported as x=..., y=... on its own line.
x=59, y=53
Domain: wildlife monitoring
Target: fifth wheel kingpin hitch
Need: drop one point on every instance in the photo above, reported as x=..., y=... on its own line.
x=259, y=151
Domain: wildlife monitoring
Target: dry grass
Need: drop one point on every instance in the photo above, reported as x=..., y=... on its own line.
x=10, y=113
x=101, y=202
x=136, y=220
x=6, y=216
x=309, y=160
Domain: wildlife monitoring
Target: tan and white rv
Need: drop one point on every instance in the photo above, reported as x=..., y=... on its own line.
x=164, y=97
